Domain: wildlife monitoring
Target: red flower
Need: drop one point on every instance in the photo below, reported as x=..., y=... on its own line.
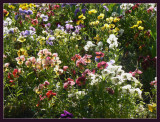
x=110, y=90
x=10, y=76
x=34, y=22
x=56, y=6
x=99, y=54
x=50, y=94
x=41, y=98
x=102, y=65
x=81, y=81
x=5, y=11
x=73, y=72
x=76, y=57
x=15, y=73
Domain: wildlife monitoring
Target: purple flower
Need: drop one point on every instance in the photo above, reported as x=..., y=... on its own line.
x=66, y=115
x=69, y=27
x=27, y=32
x=21, y=11
x=48, y=25
x=63, y=5
x=16, y=17
x=49, y=42
x=84, y=10
x=22, y=33
x=106, y=8
x=11, y=31
x=32, y=28
x=76, y=11
x=28, y=12
x=23, y=17
x=60, y=27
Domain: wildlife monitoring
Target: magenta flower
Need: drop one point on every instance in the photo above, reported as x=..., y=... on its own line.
x=81, y=81
x=102, y=65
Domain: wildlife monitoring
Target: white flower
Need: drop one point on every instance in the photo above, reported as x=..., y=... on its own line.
x=126, y=88
x=8, y=20
x=100, y=44
x=114, y=14
x=89, y=45
x=116, y=80
x=139, y=92
x=126, y=6
x=95, y=79
x=127, y=76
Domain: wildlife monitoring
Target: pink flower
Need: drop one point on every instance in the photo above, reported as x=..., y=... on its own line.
x=86, y=72
x=80, y=63
x=46, y=83
x=136, y=72
x=70, y=82
x=153, y=83
x=102, y=65
x=41, y=98
x=65, y=68
x=150, y=9
x=6, y=64
x=81, y=81
x=87, y=57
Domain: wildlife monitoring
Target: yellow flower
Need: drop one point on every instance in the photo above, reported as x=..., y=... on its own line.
x=22, y=51
x=111, y=26
x=117, y=29
x=24, y=6
x=7, y=14
x=97, y=38
x=11, y=6
x=21, y=39
x=139, y=22
x=134, y=26
x=92, y=11
x=31, y=5
x=81, y=17
x=79, y=22
x=101, y=16
x=94, y=23
x=109, y=19
x=116, y=19
x=105, y=27
x=140, y=28
x=152, y=107
x=41, y=40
